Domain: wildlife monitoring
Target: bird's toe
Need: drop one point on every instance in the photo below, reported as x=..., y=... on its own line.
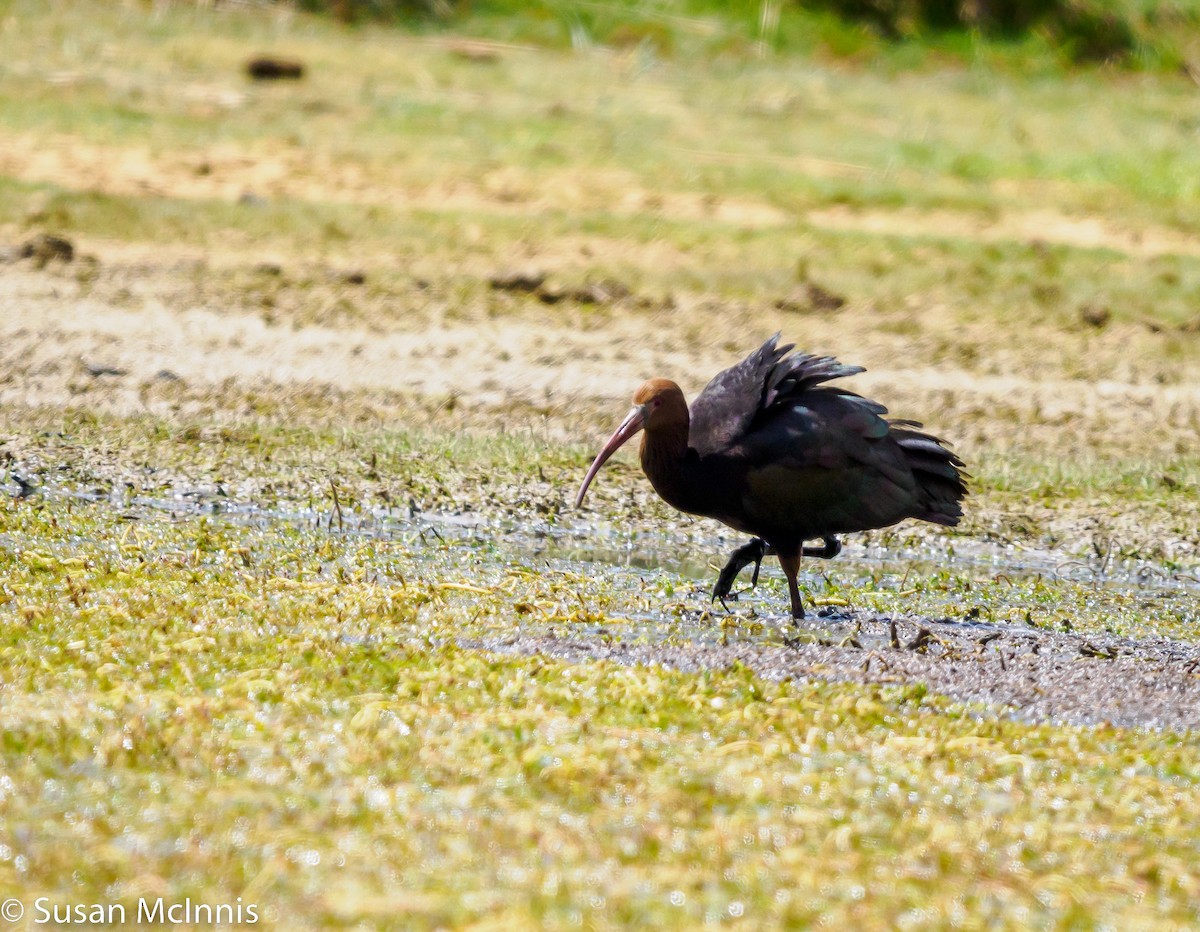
x=752, y=552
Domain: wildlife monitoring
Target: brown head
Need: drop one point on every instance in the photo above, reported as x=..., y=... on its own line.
x=658, y=407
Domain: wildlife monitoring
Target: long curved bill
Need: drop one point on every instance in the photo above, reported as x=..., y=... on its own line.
x=633, y=422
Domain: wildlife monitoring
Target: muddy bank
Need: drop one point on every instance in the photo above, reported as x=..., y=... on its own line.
x=1030, y=674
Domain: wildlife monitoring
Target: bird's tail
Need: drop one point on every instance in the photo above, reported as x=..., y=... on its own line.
x=940, y=475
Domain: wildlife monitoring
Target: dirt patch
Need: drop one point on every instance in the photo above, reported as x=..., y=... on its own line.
x=41, y=352
x=1046, y=226
x=147, y=319
x=226, y=172
x=229, y=172
x=1031, y=674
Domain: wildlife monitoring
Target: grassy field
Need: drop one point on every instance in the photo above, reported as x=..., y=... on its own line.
x=281, y=451
x=209, y=712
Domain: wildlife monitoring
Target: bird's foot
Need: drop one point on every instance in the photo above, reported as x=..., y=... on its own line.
x=753, y=552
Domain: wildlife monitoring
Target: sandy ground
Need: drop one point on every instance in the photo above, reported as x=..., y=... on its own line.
x=151, y=326
x=227, y=172
x=157, y=312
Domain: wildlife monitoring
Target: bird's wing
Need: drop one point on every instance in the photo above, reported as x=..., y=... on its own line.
x=817, y=459
x=829, y=456
x=823, y=427
x=728, y=407
x=821, y=462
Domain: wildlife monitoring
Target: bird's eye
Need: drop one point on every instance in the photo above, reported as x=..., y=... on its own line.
x=656, y=403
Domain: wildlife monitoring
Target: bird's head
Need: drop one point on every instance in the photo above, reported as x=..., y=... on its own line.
x=658, y=405
x=661, y=403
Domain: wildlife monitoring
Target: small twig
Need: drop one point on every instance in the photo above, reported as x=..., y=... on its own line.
x=463, y=587
x=1091, y=650
x=1107, y=561
x=924, y=638
x=337, y=506
x=96, y=371
x=74, y=592
x=892, y=634
x=988, y=638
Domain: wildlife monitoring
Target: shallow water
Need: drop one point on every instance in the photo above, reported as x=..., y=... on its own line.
x=1045, y=634
x=697, y=553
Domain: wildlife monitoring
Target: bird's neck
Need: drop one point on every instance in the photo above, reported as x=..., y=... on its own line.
x=663, y=453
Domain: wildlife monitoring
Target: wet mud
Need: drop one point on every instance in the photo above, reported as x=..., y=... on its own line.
x=1030, y=672
x=1030, y=675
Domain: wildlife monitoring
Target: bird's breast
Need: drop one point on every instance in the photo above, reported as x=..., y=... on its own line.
x=707, y=487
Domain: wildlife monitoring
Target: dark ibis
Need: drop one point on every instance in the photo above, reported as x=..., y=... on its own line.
x=771, y=450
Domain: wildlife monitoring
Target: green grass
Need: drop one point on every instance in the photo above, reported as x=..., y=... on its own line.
x=138, y=80
x=991, y=281
x=520, y=484
x=900, y=35
x=211, y=710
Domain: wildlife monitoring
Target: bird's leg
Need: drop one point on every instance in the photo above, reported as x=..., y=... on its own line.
x=754, y=552
x=832, y=547
x=746, y=554
x=791, y=568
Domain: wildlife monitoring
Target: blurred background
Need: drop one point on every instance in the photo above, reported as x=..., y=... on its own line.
x=476, y=207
